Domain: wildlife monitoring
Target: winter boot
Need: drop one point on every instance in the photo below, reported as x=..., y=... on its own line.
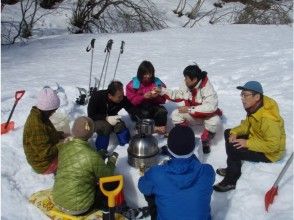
x=206, y=137
x=123, y=137
x=102, y=142
x=221, y=171
x=224, y=186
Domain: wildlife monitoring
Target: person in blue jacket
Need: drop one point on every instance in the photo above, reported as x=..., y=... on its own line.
x=182, y=187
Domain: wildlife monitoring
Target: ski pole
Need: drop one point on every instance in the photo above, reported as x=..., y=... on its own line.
x=107, y=50
x=121, y=52
x=91, y=48
x=106, y=68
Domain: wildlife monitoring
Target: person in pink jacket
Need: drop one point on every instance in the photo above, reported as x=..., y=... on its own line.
x=141, y=92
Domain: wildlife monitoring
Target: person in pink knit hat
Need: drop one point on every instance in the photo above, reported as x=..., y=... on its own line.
x=40, y=138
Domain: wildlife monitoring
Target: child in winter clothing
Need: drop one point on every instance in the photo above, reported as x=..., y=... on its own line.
x=141, y=93
x=103, y=108
x=200, y=103
x=40, y=138
x=75, y=188
x=182, y=187
x=259, y=138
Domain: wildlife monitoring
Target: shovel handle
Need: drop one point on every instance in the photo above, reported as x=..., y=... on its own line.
x=19, y=94
x=111, y=194
x=283, y=171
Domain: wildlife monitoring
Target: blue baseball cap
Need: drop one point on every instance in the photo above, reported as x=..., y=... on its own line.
x=253, y=86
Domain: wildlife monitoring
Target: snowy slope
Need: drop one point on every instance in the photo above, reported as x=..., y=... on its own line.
x=231, y=54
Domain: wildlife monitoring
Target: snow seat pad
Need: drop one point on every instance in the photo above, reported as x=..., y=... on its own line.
x=43, y=201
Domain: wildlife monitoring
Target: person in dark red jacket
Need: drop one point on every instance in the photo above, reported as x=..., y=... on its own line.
x=141, y=92
x=103, y=109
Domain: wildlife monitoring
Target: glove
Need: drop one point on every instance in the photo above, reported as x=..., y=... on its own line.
x=113, y=120
x=113, y=157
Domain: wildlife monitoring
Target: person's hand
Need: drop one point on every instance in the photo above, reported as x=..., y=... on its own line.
x=160, y=129
x=113, y=120
x=154, y=94
x=157, y=90
x=183, y=109
x=232, y=138
x=113, y=157
x=240, y=143
x=148, y=95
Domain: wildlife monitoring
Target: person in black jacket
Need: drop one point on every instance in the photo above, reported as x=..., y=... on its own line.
x=103, y=108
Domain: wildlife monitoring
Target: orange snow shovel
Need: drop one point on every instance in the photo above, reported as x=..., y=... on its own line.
x=269, y=196
x=9, y=125
x=111, y=194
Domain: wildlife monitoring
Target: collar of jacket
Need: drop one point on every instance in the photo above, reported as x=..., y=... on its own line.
x=79, y=140
x=252, y=110
x=269, y=109
x=137, y=83
x=41, y=114
x=201, y=83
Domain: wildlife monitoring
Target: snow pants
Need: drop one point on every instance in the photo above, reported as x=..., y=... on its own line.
x=235, y=156
x=151, y=206
x=102, y=127
x=210, y=123
x=156, y=112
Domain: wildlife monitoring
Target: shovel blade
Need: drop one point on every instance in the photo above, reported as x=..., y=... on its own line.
x=269, y=197
x=5, y=128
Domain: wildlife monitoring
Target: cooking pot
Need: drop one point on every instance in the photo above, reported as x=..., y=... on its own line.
x=143, y=148
x=145, y=126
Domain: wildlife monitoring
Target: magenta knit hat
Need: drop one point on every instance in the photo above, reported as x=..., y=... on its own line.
x=48, y=100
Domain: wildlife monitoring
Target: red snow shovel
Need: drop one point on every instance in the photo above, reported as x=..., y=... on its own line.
x=269, y=196
x=9, y=125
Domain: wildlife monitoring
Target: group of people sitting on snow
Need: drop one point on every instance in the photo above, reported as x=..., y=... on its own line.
x=178, y=189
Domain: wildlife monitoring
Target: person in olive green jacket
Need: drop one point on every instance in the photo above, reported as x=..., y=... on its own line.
x=75, y=188
x=259, y=138
x=40, y=138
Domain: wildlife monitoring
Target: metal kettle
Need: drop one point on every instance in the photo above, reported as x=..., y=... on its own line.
x=143, y=148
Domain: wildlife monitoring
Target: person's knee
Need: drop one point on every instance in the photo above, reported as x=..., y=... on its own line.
x=103, y=128
x=160, y=118
x=227, y=133
x=177, y=118
x=162, y=111
x=120, y=126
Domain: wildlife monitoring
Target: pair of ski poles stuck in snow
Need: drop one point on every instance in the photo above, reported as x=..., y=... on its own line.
x=84, y=95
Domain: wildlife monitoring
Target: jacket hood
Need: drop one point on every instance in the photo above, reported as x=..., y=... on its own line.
x=271, y=109
x=184, y=172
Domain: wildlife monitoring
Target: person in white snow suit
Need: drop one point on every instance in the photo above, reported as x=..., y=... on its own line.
x=200, y=104
x=182, y=187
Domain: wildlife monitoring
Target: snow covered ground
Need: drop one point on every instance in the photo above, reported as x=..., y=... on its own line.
x=231, y=54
